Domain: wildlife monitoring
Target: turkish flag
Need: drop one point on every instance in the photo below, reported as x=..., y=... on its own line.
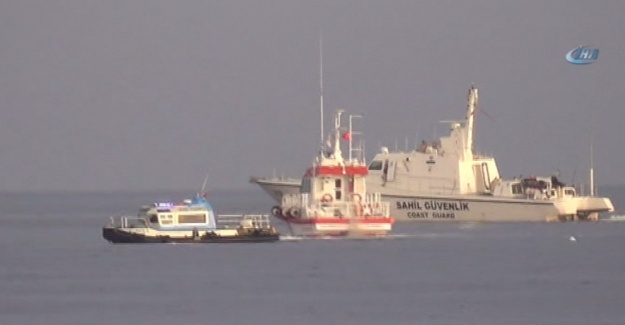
x=347, y=136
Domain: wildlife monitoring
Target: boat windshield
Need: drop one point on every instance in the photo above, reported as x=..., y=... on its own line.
x=305, y=187
x=192, y=218
x=376, y=165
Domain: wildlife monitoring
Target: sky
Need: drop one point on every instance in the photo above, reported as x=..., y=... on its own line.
x=157, y=94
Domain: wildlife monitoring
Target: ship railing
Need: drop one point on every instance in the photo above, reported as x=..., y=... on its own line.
x=366, y=208
x=257, y=221
x=373, y=202
x=372, y=205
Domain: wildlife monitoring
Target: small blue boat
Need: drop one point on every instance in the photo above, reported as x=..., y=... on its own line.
x=190, y=221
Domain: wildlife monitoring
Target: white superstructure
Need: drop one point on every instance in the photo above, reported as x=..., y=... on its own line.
x=446, y=180
x=333, y=199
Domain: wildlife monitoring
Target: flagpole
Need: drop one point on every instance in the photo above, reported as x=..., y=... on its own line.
x=592, y=171
x=321, y=85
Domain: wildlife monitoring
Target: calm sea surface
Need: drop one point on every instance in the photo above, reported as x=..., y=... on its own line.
x=56, y=269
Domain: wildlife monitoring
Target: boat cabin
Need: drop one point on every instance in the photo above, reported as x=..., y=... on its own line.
x=448, y=165
x=195, y=213
x=335, y=183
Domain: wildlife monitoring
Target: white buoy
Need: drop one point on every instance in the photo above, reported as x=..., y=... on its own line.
x=572, y=238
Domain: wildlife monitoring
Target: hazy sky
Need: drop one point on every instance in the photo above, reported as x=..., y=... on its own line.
x=113, y=95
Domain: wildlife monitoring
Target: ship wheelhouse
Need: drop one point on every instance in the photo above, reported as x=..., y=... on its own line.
x=335, y=183
x=171, y=216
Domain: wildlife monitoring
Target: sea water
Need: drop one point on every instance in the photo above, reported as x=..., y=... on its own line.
x=55, y=268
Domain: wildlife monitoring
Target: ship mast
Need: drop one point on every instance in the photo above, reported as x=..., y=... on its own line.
x=338, y=154
x=321, y=87
x=471, y=106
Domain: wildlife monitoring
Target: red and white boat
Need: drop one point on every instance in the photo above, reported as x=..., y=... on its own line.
x=333, y=198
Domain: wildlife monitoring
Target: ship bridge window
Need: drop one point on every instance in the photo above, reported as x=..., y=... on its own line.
x=376, y=165
x=153, y=219
x=192, y=218
x=167, y=219
x=305, y=186
x=338, y=189
x=517, y=188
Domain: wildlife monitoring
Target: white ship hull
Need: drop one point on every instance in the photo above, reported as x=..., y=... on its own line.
x=470, y=207
x=320, y=228
x=450, y=208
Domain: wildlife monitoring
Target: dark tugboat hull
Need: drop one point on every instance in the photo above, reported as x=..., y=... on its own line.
x=119, y=236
